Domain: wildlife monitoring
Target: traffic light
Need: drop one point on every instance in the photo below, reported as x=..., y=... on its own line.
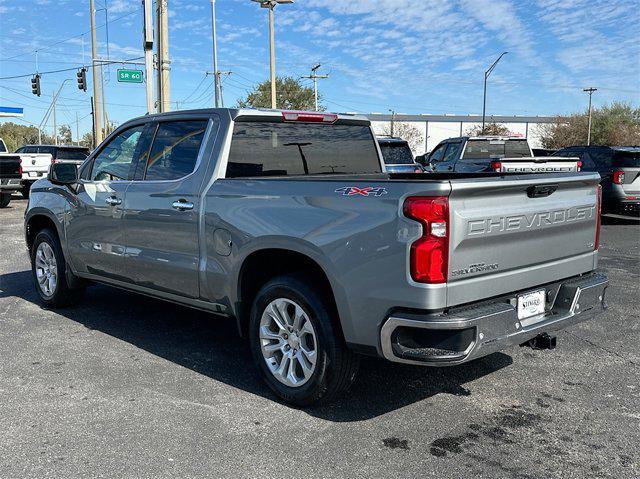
x=82, y=79
x=35, y=84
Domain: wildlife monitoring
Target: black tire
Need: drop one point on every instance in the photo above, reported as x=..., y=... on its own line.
x=5, y=199
x=62, y=295
x=24, y=191
x=336, y=366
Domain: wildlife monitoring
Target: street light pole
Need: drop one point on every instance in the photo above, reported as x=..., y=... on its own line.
x=484, y=96
x=94, y=77
x=590, y=92
x=271, y=4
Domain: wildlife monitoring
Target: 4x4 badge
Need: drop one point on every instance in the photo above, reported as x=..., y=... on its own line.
x=366, y=191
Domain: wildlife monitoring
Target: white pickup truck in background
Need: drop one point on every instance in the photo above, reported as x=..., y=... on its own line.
x=37, y=159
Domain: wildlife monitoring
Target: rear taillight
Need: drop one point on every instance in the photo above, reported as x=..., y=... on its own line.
x=53, y=160
x=20, y=169
x=309, y=117
x=496, y=166
x=596, y=243
x=429, y=260
x=579, y=165
x=618, y=177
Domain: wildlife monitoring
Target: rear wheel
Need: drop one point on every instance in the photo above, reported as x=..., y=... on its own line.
x=5, y=199
x=295, y=344
x=49, y=267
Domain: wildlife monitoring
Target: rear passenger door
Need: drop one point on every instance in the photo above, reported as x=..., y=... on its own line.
x=162, y=206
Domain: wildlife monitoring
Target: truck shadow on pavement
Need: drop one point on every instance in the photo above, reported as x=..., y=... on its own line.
x=210, y=345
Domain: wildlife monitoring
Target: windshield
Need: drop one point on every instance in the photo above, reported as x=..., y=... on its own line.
x=396, y=153
x=485, y=149
x=72, y=154
x=626, y=158
x=262, y=148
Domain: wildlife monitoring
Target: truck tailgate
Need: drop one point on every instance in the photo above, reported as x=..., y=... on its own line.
x=539, y=164
x=9, y=166
x=35, y=165
x=515, y=232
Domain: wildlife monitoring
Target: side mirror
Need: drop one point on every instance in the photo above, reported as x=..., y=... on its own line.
x=63, y=174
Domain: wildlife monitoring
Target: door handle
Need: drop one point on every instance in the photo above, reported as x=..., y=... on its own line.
x=113, y=201
x=182, y=205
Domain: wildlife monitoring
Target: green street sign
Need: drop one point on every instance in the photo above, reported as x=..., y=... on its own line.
x=130, y=76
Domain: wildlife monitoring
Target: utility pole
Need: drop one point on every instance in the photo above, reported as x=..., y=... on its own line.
x=590, y=92
x=216, y=74
x=162, y=32
x=147, y=45
x=97, y=127
x=484, y=96
x=314, y=76
x=104, y=106
x=55, y=126
x=271, y=4
x=77, y=130
x=393, y=117
x=220, y=85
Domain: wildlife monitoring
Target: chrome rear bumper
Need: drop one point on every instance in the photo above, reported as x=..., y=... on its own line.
x=476, y=330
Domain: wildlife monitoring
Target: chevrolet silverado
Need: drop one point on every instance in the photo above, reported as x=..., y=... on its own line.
x=288, y=223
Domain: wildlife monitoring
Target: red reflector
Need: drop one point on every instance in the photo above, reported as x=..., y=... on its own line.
x=618, y=177
x=496, y=166
x=596, y=243
x=579, y=165
x=630, y=197
x=429, y=260
x=309, y=117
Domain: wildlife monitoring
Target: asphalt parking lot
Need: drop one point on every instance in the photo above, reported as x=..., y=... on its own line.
x=126, y=386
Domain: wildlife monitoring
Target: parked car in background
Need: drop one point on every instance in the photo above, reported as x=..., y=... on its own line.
x=397, y=155
x=619, y=169
x=37, y=159
x=286, y=222
x=10, y=176
x=493, y=153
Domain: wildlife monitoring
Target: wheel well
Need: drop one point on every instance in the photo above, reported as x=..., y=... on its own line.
x=38, y=223
x=261, y=266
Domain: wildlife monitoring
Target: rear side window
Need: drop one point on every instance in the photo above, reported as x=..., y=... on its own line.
x=175, y=150
x=50, y=150
x=627, y=159
x=396, y=153
x=289, y=149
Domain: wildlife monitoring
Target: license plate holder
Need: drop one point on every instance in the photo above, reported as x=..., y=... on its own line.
x=531, y=304
x=33, y=174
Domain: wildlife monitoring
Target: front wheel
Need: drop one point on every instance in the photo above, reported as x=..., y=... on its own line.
x=49, y=267
x=295, y=344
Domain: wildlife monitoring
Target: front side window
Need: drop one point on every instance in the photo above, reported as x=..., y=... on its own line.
x=115, y=160
x=175, y=150
x=438, y=153
x=452, y=151
x=281, y=149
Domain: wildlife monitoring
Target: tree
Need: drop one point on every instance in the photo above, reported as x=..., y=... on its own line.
x=493, y=129
x=64, y=135
x=407, y=132
x=291, y=95
x=615, y=124
x=16, y=135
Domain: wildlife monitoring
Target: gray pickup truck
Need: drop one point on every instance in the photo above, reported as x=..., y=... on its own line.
x=505, y=154
x=288, y=223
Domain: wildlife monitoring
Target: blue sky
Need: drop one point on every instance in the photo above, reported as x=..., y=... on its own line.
x=410, y=55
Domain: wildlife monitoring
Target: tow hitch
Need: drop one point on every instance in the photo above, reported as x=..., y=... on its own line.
x=541, y=341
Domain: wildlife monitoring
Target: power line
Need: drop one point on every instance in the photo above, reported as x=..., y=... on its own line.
x=104, y=62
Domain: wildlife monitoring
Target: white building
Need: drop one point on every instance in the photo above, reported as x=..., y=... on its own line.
x=435, y=128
